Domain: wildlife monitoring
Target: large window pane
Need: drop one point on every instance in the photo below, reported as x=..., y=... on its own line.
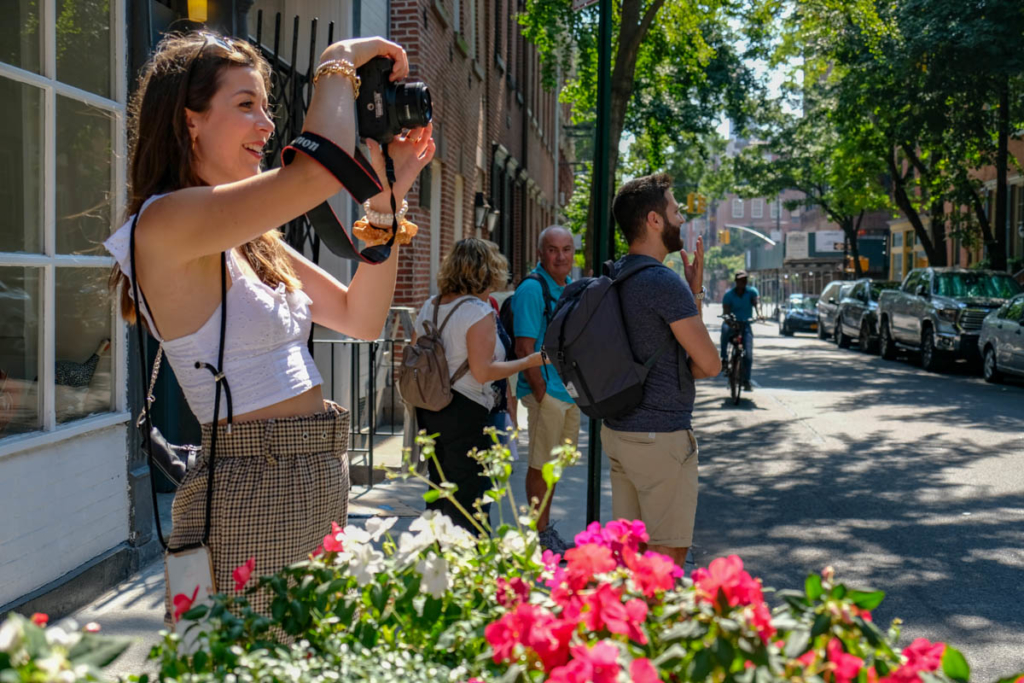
x=19, y=34
x=84, y=180
x=20, y=306
x=84, y=49
x=83, y=371
x=21, y=170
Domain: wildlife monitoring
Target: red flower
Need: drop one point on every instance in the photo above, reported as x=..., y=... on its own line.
x=806, y=659
x=642, y=671
x=183, y=603
x=845, y=666
x=575, y=671
x=585, y=561
x=603, y=660
x=652, y=572
x=726, y=576
x=761, y=619
x=40, y=619
x=604, y=610
x=511, y=593
x=535, y=629
x=91, y=627
x=332, y=543
x=243, y=572
x=923, y=655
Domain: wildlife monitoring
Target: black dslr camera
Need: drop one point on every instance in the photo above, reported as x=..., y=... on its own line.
x=384, y=108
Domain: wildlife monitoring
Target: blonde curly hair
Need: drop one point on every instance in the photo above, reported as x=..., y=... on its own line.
x=473, y=266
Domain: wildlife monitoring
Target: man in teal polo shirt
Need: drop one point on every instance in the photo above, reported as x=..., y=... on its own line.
x=552, y=415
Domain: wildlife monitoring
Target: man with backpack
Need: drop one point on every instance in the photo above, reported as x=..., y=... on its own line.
x=652, y=449
x=552, y=416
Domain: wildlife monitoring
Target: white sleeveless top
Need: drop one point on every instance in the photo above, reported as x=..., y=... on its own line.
x=266, y=360
x=455, y=348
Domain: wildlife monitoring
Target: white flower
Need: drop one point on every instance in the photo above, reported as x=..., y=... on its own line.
x=365, y=562
x=11, y=636
x=410, y=546
x=66, y=676
x=378, y=526
x=513, y=543
x=354, y=534
x=50, y=666
x=55, y=635
x=434, y=570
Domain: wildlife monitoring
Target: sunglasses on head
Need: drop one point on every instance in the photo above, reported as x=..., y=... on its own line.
x=208, y=40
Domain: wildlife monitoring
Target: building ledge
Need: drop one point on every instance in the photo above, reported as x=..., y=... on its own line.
x=38, y=439
x=441, y=13
x=499, y=62
x=478, y=70
x=461, y=44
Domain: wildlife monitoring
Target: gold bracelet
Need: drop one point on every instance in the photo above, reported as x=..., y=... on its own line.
x=339, y=66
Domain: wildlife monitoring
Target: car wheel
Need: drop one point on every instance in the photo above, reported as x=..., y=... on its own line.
x=886, y=345
x=989, y=368
x=842, y=341
x=782, y=328
x=821, y=330
x=864, y=340
x=931, y=358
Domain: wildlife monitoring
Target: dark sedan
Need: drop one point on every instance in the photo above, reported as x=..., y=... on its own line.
x=799, y=315
x=857, y=317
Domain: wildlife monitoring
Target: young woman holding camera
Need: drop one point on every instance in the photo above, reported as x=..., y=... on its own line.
x=207, y=252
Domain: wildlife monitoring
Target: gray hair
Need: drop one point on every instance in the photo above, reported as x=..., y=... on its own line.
x=551, y=229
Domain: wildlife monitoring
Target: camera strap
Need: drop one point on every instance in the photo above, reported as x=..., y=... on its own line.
x=357, y=176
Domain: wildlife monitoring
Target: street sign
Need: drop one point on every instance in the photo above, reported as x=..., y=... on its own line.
x=796, y=246
x=580, y=4
x=829, y=240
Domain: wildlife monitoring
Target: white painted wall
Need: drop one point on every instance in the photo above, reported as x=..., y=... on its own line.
x=374, y=20
x=61, y=506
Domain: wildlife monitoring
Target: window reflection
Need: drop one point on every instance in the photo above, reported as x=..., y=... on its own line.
x=83, y=368
x=20, y=304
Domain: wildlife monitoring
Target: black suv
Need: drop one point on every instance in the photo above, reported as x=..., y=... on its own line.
x=857, y=317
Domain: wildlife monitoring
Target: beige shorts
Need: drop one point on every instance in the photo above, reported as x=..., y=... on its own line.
x=550, y=424
x=654, y=479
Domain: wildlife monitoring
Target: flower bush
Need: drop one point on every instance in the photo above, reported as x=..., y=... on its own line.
x=437, y=603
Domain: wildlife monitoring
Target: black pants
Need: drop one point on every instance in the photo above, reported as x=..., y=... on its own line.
x=460, y=428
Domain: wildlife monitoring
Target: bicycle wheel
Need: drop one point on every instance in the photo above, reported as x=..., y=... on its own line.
x=735, y=379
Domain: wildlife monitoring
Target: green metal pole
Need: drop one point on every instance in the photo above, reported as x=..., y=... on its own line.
x=602, y=227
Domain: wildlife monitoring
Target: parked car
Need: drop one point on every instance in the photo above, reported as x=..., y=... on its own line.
x=939, y=312
x=1002, y=341
x=828, y=306
x=858, y=314
x=799, y=315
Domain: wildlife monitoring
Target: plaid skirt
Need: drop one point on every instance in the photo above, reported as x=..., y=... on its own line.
x=278, y=486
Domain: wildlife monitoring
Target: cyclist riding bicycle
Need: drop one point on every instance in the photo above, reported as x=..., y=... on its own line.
x=742, y=302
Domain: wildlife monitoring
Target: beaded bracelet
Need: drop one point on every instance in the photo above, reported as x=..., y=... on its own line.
x=378, y=218
x=339, y=66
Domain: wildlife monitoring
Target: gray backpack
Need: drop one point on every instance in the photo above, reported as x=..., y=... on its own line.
x=588, y=344
x=423, y=378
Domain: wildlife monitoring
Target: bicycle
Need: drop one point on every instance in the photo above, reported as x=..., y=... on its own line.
x=734, y=363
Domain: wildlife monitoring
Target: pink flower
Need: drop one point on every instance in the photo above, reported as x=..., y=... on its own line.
x=845, y=666
x=603, y=660
x=243, y=572
x=91, y=627
x=585, y=561
x=183, y=603
x=511, y=593
x=652, y=572
x=576, y=671
x=535, y=629
x=550, y=560
x=923, y=655
x=332, y=541
x=40, y=619
x=761, y=619
x=642, y=671
x=618, y=535
x=725, y=576
x=806, y=659
x=603, y=609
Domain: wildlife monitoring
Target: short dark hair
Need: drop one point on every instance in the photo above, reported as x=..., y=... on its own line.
x=636, y=199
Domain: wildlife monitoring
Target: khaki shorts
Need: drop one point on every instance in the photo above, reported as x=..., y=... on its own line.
x=654, y=479
x=550, y=424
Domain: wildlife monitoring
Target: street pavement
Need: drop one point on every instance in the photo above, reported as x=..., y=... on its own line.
x=902, y=480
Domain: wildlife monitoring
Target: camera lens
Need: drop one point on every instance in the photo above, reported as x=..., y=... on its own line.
x=412, y=103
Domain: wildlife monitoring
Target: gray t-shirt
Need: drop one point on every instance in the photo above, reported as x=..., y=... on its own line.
x=652, y=300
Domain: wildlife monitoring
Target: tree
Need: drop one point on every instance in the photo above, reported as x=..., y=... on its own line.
x=675, y=68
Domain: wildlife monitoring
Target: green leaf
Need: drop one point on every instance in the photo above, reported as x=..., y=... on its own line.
x=670, y=658
x=1011, y=679
x=431, y=496
x=812, y=586
x=551, y=472
x=838, y=592
x=431, y=610
x=277, y=608
x=379, y=597
x=821, y=624
x=866, y=600
x=199, y=660
x=724, y=652
x=797, y=643
x=701, y=666
x=196, y=613
x=98, y=651
x=344, y=611
x=954, y=664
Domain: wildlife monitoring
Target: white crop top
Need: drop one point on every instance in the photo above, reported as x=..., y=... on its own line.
x=266, y=360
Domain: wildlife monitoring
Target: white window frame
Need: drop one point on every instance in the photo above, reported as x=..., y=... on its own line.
x=757, y=208
x=470, y=35
x=737, y=208
x=773, y=209
x=49, y=260
x=457, y=15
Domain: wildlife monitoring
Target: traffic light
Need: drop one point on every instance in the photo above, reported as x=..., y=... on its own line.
x=702, y=203
x=691, y=203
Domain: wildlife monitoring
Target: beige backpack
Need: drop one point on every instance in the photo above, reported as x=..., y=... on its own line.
x=423, y=378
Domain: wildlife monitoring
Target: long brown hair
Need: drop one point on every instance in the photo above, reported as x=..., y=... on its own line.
x=161, y=148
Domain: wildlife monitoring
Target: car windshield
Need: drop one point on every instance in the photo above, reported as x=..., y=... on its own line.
x=805, y=304
x=878, y=287
x=988, y=285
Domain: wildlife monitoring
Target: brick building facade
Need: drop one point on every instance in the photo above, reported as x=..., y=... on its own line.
x=497, y=134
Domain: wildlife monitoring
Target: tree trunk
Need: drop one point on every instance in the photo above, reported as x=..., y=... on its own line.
x=899, y=193
x=997, y=251
x=852, y=237
x=938, y=235
x=632, y=30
